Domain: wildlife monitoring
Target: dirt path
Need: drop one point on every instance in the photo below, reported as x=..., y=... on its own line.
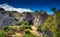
x=35, y=32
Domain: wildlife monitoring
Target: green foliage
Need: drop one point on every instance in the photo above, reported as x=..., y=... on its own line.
x=26, y=27
x=28, y=12
x=7, y=29
x=22, y=23
x=53, y=9
x=46, y=35
x=39, y=28
x=21, y=14
x=2, y=33
x=58, y=34
x=16, y=19
x=27, y=31
x=52, y=23
x=57, y=19
x=29, y=35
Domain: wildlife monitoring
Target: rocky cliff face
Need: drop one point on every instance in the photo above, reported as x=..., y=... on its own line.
x=39, y=17
x=7, y=17
x=36, y=18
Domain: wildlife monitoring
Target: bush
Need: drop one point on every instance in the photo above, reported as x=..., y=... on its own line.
x=21, y=15
x=26, y=27
x=7, y=29
x=29, y=13
x=16, y=19
x=2, y=33
x=58, y=34
x=46, y=35
x=39, y=28
x=27, y=31
x=22, y=23
x=29, y=35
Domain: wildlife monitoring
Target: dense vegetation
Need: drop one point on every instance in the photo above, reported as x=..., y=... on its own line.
x=23, y=29
x=52, y=23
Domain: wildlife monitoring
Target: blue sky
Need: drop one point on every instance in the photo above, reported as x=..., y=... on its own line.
x=34, y=4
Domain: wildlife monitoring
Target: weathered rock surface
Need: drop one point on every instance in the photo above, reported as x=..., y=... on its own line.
x=7, y=17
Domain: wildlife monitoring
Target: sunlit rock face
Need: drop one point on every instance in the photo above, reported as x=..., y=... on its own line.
x=39, y=17
x=6, y=18
x=36, y=18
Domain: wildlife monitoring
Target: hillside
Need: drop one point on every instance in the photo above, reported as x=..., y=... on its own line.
x=28, y=24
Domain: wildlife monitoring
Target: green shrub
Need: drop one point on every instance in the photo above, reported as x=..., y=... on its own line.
x=46, y=35
x=29, y=35
x=26, y=27
x=2, y=33
x=39, y=28
x=21, y=15
x=16, y=19
x=22, y=23
x=27, y=31
x=58, y=34
x=7, y=29
x=29, y=13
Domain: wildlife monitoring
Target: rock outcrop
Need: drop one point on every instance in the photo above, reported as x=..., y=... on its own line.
x=7, y=17
x=39, y=17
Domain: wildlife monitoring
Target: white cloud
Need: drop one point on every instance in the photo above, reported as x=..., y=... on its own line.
x=10, y=8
